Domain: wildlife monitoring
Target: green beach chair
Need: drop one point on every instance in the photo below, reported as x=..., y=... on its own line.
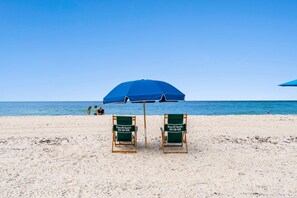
x=124, y=133
x=174, y=132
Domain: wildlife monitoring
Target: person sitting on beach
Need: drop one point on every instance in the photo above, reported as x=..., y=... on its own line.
x=100, y=111
x=95, y=110
x=89, y=110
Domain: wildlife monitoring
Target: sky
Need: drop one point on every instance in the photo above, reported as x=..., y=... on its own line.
x=53, y=50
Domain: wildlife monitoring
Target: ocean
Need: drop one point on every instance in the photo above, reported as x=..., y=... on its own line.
x=189, y=107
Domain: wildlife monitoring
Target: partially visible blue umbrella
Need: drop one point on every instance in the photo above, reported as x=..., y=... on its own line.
x=289, y=84
x=143, y=91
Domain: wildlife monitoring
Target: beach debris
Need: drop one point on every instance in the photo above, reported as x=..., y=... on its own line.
x=3, y=141
x=48, y=150
x=255, y=139
x=55, y=141
x=291, y=139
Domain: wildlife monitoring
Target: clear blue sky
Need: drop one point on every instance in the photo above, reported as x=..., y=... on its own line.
x=210, y=50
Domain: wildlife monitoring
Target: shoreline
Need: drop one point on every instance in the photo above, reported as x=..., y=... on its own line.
x=200, y=115
x=190, y=107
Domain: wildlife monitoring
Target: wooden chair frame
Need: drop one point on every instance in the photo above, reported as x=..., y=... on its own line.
x=166, y=144
x=116, y=143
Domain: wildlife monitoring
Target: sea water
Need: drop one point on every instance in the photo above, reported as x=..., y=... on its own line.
x=189, y=107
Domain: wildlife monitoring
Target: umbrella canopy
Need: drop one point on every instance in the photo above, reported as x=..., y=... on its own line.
x=289, y=84
x=142, y=91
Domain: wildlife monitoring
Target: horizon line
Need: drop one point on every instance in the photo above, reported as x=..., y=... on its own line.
x=235, y=100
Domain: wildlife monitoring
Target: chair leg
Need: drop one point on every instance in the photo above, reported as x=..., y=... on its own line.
x=185, y=137
x=112, y=142
x=186, y=142
x=135, y=142
x=163, y=139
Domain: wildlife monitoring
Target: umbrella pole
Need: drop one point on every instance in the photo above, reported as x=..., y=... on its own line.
x=144, y=116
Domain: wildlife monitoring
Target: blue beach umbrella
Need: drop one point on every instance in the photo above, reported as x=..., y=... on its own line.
x=289, y=84
x=143, y=91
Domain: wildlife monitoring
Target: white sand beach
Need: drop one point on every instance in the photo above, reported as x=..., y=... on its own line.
x=70, y=156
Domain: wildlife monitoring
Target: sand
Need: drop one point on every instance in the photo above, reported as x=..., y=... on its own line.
x=70, y=156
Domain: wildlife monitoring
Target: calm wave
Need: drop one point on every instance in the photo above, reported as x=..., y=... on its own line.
x=190, y=107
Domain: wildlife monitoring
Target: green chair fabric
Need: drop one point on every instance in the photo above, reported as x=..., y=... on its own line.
x=124, y=120
x=175, y=128
x=124, y=137
x=124, y=128
x=175, y=137
x=175, y=118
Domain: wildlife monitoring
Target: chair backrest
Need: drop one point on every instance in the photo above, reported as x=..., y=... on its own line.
x=124, y=126
x=175, y=125
x=176, y=118
x=175, y=122
x=123, y=120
